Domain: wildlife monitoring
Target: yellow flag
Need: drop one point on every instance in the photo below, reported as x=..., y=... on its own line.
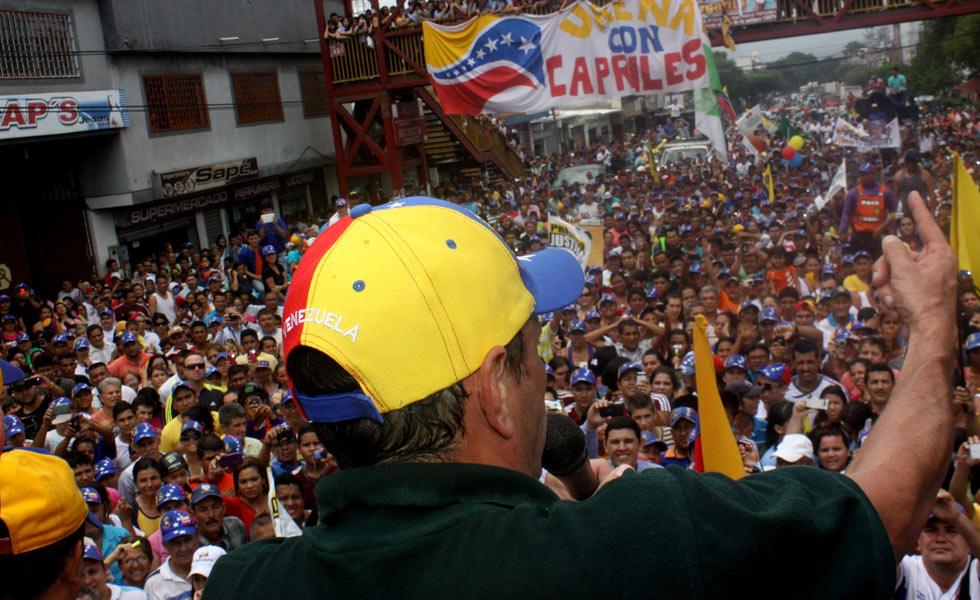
x=767, y=179
x=652, y=165
x=716, y=450
x=966, y=214
x=726, y=25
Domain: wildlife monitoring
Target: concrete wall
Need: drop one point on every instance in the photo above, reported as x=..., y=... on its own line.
x=179, y=24
x=136, y=155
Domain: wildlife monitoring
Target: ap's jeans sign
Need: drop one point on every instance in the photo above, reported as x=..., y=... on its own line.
x=31, y=115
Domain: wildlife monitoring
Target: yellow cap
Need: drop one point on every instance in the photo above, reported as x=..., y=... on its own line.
x=39, y=501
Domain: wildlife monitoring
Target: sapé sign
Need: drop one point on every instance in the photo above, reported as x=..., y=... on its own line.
x=198, y=179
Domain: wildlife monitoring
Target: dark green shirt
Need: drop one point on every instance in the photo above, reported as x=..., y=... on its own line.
x=460, y=531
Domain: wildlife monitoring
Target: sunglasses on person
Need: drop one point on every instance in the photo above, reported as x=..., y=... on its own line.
x=190, y=436
x=193, y=367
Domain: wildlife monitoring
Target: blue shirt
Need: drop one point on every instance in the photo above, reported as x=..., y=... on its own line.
x=270, y=237
x=111, y=536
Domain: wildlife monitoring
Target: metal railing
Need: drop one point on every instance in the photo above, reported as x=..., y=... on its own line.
x=409, y=43
x=352, y=60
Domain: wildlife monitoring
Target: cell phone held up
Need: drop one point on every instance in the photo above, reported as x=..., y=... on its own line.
x=230, y=460
x=817, y=403
x=615, y=409
x=974, y=451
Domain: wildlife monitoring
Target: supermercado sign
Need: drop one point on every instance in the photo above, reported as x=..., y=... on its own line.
x=32, y=115
x=528, y=63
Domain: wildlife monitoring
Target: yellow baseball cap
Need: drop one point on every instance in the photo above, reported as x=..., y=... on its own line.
x=408, y=298
x=39, y=501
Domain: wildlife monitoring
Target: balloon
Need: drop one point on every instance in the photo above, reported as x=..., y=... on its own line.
x=796, y=142
x=797, y=161
x=789, y=152
x=757, y=142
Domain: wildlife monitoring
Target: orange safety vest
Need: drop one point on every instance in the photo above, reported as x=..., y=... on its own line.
x=869, y=213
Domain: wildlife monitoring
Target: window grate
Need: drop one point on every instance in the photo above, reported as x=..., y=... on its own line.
x=313, y=89
x=175, y=102
x=37, y=45
x=256, y=96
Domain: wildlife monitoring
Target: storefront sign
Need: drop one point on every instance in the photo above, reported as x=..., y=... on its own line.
x=161, y=211
x=300, y=179
x=257, y=189
x=32, y=115
x=198, y=179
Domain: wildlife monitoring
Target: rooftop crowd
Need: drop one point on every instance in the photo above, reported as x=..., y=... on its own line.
x=165, y=391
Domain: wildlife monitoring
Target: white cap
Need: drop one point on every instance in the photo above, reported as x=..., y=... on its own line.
x=794, y=447
x=204, y=559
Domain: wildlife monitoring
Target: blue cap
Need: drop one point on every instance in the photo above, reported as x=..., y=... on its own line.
x=213, y=320
x=12, y=425
x=221, y=355
x=775, y=371
x=267, y=250
x=748, y=304
x=843, y=333
x=866, y=168
x=687, y=365
x=205, y=490
x=627, y=367
x=91, y=496
x=592, y=314
x=607, y=298
x=105, y=311
x=191, y=425
x=232, y=444
x=170, y=492
x=128, y=337
x=736, y=361
x=21, y=338
x=4, y=298
x=769, y=314
x=583, y=375
x=142, y=432
x=91, y=553
x=176, y=523
x=82, y=344
x=829, y=270
x=105, y=467
x=847, y=259
x=577, y=325
x=182, y=384
x=862, y=254
x=79, y=388
x=683, y=412
x=212, y=371
x=695, y=268
x=10, y=372
x=549, y=371
x=61, y=338
x=972, y=342
x=859, y=325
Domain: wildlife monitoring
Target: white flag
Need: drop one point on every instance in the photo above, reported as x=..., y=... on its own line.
x=838, y=183
x=562, y=234
x=281, y=521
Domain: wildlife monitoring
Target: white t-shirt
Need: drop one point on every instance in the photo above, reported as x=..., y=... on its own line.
x=912, y=575
x=124, y=592
x=794, y=394
x=164, y=584
x=122, y=459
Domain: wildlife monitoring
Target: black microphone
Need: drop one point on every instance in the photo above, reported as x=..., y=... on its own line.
x=566, y=457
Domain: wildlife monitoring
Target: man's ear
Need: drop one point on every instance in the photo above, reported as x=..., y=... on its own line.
x=496, y=392
x=71, y=576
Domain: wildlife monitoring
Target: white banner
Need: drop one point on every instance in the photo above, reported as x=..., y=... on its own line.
x=881, y=135
x=55, y=113
x=562, y=234
x=839, y=183
x=528, y=63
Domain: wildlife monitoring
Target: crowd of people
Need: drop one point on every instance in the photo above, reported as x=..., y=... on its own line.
x=165, y=390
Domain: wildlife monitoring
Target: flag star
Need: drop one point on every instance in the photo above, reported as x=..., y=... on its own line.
x=396, y=204
x=480, y=54
x=472, y=62
x=507, y=39
x=491, y=44
x=526, y=45
x=455, y=71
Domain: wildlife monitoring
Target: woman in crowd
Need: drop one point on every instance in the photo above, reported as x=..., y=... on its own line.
x=251, y=491
x=148, y=479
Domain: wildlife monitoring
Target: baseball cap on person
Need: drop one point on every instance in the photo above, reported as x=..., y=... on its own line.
x=176, y=523
x=265, y=361
x=82, y=344
x=607, y=298
x=577, y=325
x=776, y=372
x=204, y=559
x=41, y=503
x=736, y=361
x=232, y=444
x=627, y=367
x=171, y=462
x=105, y=467
x=592, y=315
x=794, y=447
x=744, y=389
x=205, y=490
x=687, y=365
x=866, y=168
x=191, y=425
x=862, y=254
x=769, y=314
x=683, y=412
x=12, y=425
x=143, y=431
x=61, y=410
x=182, y=384
x=650, y=439
x=442, y=252
x=80, y=388
x=972, y=342
x=583, y=375
x=170, y=492
x=128, y=338
x=91, y=552
x=61, y=338
x=267, y=250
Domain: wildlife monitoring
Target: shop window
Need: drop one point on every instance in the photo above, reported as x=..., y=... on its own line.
x=175, y=102
x=37, y=45
x=313, y=88
x=256, y=96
